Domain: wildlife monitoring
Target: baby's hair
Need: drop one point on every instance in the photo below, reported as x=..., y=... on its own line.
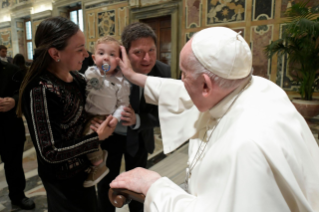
x=106, y=39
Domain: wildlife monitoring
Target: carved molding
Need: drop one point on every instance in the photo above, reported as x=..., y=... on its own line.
x=154, y=10
x=5, y=24
x=41, y=15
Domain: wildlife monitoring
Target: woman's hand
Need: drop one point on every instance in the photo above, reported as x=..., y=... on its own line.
x=103, y=128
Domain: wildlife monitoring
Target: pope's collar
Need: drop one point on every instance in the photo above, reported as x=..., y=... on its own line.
x=220, y=109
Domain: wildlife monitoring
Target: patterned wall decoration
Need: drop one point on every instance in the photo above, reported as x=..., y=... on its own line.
x=91, y=47
x=106, y=23
x=260, y=37
x=104, y=20
x=151, y=2
x=6, y=3
x=264, y=9
x=134, y=3
x=285, y=4
x=240, y=30
x=122, y=18
x=5, y=39
x=193, y=13
x=225, y=11
x=20, y=24
x=91, y=25
x=189, y=35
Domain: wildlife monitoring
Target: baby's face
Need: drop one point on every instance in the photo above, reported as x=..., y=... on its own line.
x=106, y=53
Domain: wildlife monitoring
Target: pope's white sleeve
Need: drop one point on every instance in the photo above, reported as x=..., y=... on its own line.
x=165, y=196
x=177, y=112
x=152, y=89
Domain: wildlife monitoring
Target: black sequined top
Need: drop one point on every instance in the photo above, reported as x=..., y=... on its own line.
x=55, y=113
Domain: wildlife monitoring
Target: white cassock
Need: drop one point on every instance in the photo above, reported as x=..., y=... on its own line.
x=262, y=156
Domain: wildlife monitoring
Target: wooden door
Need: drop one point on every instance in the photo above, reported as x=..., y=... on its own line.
x=162, y=29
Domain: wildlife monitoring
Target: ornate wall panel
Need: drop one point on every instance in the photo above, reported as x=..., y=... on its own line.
x=104, y=20
x=91, y=25
x=91, y=46
x=5, y=39
x=152, y=2
x=188, y=36
x=122, y=18
x=260, y=37
x=6, y=3
x=106, y=23
x=263, y=9
x=225, y=11
x=193, y=13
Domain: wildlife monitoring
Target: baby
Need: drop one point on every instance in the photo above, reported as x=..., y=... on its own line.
x=107, y=94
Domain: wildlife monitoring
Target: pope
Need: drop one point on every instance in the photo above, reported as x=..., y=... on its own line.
x=249, y=149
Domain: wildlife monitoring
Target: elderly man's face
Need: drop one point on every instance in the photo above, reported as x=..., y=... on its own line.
x=192, y=85
x=3, y=52
x=199, y=89
x=142, y=55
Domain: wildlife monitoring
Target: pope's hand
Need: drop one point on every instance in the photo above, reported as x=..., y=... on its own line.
x=125, y=64
x=128, y=72
x=138, y=180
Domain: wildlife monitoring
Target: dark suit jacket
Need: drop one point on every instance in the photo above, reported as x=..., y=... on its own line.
x=148, y=113
x=10, y=81
x=10, y=60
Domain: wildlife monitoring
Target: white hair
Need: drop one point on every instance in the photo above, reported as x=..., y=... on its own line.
x=199, y=69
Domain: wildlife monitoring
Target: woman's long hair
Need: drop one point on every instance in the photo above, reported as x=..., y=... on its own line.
x=19, y=61
x=53, y=32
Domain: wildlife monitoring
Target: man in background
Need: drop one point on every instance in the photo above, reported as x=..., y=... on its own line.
x=3, y=55
x=12, y=135
x=134, y=135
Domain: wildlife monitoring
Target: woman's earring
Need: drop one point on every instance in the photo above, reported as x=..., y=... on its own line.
x=58, y=60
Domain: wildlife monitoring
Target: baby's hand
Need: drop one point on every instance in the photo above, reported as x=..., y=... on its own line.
x=113, y=122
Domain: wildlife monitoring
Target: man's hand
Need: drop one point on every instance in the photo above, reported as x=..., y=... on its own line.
x=113, y=122
x=138, y=180
x=6, y=104
x=128, y=116
x=102, y=128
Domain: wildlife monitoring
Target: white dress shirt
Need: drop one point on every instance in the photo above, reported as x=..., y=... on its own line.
x=4, y=59
x=106, y=95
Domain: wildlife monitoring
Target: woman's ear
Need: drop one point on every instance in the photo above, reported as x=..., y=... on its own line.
x=54, y=53
x=207, y=86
